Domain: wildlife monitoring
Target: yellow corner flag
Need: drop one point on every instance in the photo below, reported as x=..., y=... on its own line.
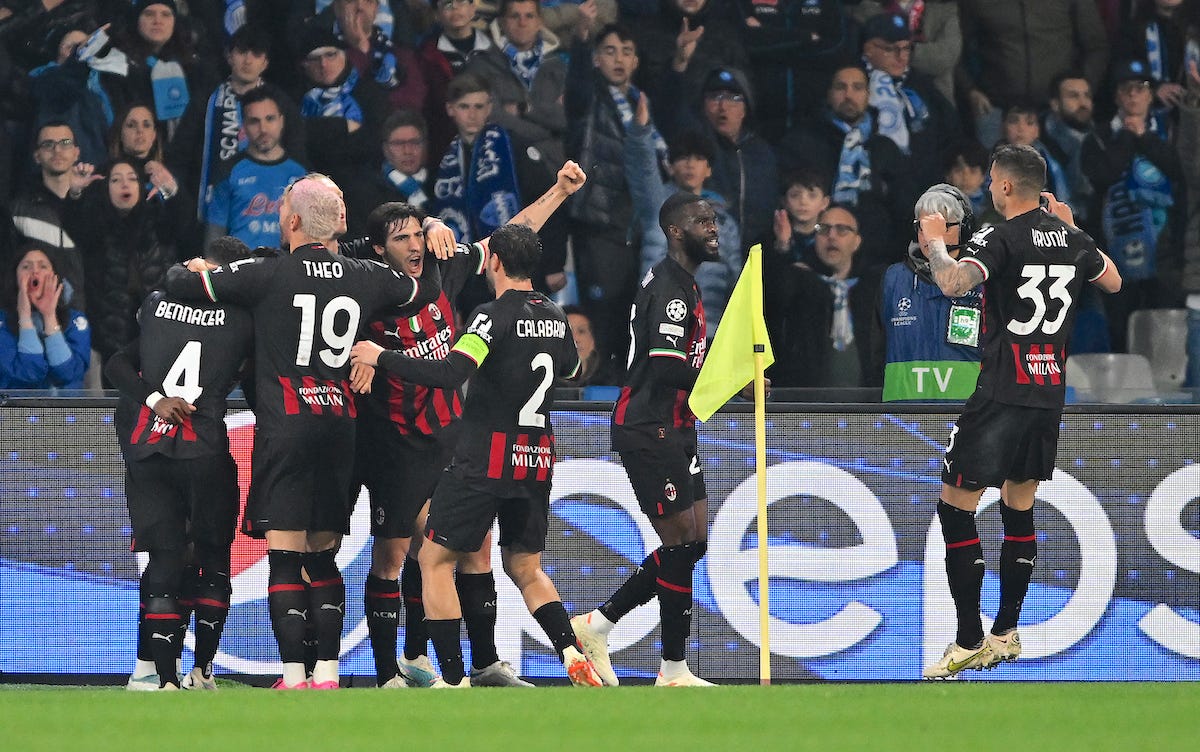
x=729, y=365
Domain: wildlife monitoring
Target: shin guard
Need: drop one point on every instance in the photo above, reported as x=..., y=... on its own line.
x=382, y=603
x=287, y=597
x=674, y=588
x=327, y=599
x=635, y=591
x=416, y=636
x=964, y=570
x=477, y=595
x=1018, y=553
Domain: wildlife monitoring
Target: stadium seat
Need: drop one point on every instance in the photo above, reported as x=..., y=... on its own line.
x=1161, y=336
x=1111, y=377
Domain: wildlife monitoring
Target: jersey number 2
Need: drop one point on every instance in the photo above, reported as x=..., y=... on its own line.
x=1060, y=275
x=339, y=339
x=530, y=414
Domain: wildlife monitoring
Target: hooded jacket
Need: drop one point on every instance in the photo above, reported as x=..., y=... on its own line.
x=744, y=170
x=540, y=114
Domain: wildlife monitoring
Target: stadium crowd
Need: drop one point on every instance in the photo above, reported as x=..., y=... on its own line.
x=138, y=132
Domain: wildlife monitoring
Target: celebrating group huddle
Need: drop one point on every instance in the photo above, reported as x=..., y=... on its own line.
x=323, y=345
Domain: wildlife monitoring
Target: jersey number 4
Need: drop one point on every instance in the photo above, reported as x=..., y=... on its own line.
x=338, y=338
x=183, y=378
x=1058, y=276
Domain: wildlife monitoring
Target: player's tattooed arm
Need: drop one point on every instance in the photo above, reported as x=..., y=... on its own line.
x=955, y=278
x=570, y=178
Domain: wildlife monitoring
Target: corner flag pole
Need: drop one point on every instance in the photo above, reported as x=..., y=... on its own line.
x=760, y=472
x=740, y=353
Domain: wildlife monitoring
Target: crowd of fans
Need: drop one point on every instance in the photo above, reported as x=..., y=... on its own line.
x=136, y=132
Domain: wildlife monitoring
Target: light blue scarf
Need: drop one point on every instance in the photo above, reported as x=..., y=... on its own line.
x=412, y=187
x=902, y=112
x=334, y=101
x=525, y=64
x=854, y=161
x=841, y=332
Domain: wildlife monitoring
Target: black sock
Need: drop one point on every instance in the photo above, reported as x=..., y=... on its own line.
x=477, y=595
x=674, y=588
x=287, y=597
x=416, y=636
x=557, y=625
x=382, y=600
x=310, y=640
x=143, y=645
x=1018, y=553
x=211, y=604
x=187, y=603
x=964, y=569
x=327, y=598
x=635, y=591
x=160, y=630
x=445, y=636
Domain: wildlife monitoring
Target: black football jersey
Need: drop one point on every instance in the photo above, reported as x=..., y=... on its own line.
x=667, y=321
x=521, y=342
x=189, y=350
x=416, y=411
x=308, y=307
x=1034, y=268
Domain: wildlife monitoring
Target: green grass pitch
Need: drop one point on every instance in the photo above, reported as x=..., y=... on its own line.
x=971, y=716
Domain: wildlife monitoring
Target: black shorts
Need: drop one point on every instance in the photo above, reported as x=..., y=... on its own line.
x=993, y=442
x=665, y=473
x=460, y=515
x=302, y=482
x=173, y=502
x=400, y=476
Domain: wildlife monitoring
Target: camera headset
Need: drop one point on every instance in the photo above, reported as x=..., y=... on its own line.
x=966, y=228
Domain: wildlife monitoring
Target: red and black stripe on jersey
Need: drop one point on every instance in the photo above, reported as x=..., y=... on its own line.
x=415, y=410
x=312, y=396
x=667, y=322
x=1034, y=268
x=518, y=458
x=149, y=429
x=521, y=342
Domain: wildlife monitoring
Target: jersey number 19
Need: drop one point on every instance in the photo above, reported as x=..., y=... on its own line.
x=338, y=338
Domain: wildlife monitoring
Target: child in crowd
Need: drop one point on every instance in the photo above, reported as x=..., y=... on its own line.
x=805, y=196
